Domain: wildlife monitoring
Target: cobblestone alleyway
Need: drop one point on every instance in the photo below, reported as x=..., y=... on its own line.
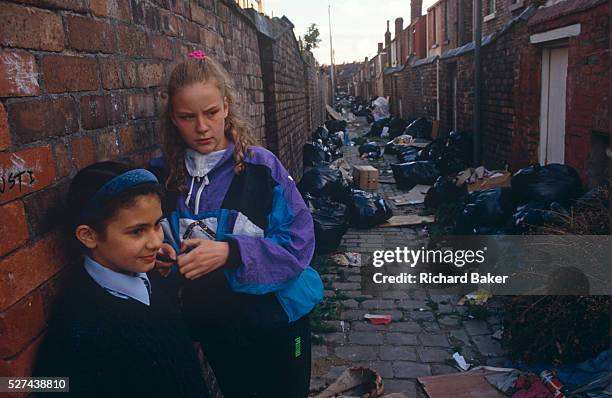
x=427, y=327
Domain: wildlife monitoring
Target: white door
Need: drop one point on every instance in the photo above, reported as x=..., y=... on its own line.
x=552, y=109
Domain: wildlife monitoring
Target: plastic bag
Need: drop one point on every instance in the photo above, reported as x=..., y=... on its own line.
x=491, y=209
x=406, y=154
x=323, y=181
x=368, y=210
x=313, y=154
x=444, y=191
x=397, y=126
x=535, y=214
x=407, y=175
x=420, y=128
x=369, y=147
x=330, y=222
x=456, y=154
x=335, y=125
x=381, y=108
x=546, y=184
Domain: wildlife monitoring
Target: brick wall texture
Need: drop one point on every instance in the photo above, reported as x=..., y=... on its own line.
x=82, y=81
x=511, y=90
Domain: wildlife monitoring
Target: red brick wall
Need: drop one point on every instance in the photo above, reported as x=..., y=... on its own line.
x=81, y=81
x=588, y=83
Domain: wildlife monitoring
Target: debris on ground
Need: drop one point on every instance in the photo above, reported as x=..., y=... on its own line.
x=407, y=220
x=378, y=319
x=365, y=177
x=330, y=222
x=415, y=196
x=381, y=108
x=460, y=385
x=355, y=382
x=348, y=259
x=478, y=297
x=461, y=362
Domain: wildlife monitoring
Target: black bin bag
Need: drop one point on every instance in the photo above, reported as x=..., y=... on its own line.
x=407, y=175
x=546, y=184
x=330, y=222
x=368, y=210
x=323, y=181
x=489, y=209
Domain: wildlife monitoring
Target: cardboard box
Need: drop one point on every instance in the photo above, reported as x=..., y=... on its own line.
x=365, y=177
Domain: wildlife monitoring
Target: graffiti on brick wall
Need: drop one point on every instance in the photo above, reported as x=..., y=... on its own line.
x=16, y=176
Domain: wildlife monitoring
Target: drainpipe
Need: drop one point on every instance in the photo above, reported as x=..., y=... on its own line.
x=477, y=81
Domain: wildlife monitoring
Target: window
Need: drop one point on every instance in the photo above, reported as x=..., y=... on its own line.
x=435, y=27
x=491, y=9
x=446, y=21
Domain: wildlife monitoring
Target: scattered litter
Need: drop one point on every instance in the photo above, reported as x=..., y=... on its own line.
x=344, y=167
x=498, y=334
x=368, y=210
x=385, y=132
x=378, y=319
x=415, y=196
x=381, y=108
x=411, y=219
x=355, y=382
x=348, y=259
x=460, y=360
x=365, y=177
x=478, y=297
x=342, y=326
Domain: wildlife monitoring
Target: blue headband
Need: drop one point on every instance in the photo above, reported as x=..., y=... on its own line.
x=115, y=186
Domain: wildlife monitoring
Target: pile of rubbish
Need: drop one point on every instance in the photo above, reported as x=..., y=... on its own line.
x=534, y=195
x=440, y=157
x=326, y=188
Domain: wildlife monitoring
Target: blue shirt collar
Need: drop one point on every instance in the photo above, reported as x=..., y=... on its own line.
x=119, y=284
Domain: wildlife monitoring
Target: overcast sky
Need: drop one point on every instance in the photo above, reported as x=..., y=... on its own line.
x=357, y=25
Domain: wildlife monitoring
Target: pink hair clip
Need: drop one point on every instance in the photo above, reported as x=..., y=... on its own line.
x=197, y=54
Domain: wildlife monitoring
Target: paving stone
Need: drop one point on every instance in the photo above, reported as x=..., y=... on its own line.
x=319, y=351
x=334, y=372
x=459, y=337
x=476, y=328
x=349, y=304
x=366, y=338
x=430, y=327
x=384, y=368
x=397, y=353
x=401, y=339
x=378, y=304
x=488, y=346
x=335, y=337
x=410, y=327
x=354, y=278
x=442, y=370
x=356, y=293
x=411, y=305
x=449, y=321
x=318, y=384
x=356, y=353
x=398, y=385
x=345, y=286
x=427, y=354
x=365, y=326
x=352, y=315
x=410, y=370
x=433, y=340
x=329, y=293
x=420, y=315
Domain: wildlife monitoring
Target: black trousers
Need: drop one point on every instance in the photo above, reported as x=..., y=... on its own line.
x=264, y=364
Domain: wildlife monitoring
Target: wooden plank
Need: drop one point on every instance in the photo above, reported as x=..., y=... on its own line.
x=332, y=112
x=411, y=219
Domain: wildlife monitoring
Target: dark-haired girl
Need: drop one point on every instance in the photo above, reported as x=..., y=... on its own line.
x=117, y=332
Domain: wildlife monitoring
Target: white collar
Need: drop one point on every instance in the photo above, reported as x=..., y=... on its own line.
x=199, y=164
x=136, y=287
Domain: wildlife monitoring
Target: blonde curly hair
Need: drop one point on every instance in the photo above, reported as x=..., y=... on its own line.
x=237, y=129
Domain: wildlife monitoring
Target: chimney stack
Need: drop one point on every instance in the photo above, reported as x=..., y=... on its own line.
x=416, y=9
x=399, y=26
x=387, y=36
x=380, y=48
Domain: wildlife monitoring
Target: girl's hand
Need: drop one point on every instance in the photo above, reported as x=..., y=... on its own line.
x=200, y=256
x=166, y=256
